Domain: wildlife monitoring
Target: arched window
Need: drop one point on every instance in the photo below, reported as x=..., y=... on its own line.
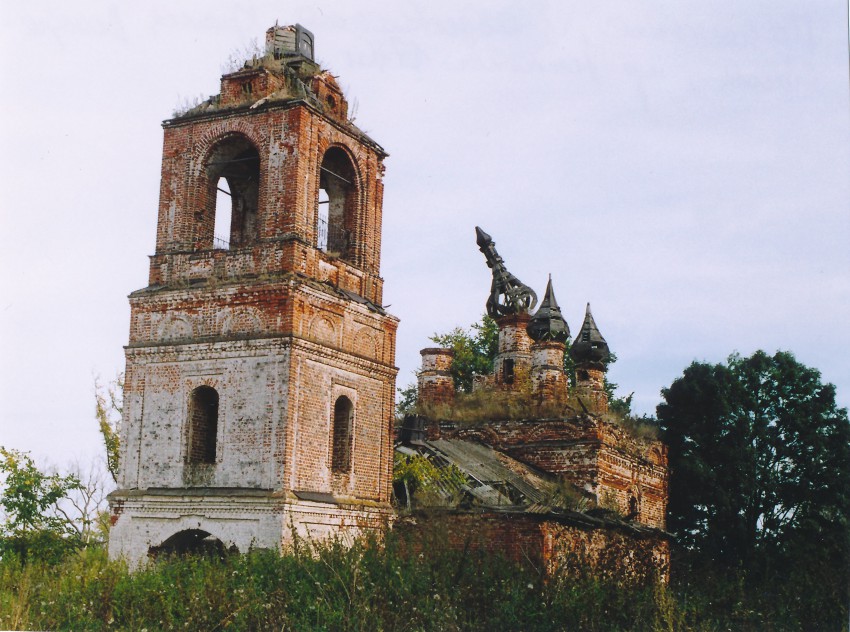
x=343, y=422
x=634, y=505
x=203, y=425
x=233, y=191
x=337, y=203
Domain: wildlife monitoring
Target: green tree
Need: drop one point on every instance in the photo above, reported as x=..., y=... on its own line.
x=407, y=397
x=417, y=474
x=109, y=405
x=475, y=349
x=759, y=456
x=34, y=524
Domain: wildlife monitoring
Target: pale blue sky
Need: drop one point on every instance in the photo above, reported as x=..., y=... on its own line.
x=683, y=166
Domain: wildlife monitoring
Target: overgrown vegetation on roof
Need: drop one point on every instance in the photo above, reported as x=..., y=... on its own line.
x=475, y=349
x=519, y=403
x=493, y=404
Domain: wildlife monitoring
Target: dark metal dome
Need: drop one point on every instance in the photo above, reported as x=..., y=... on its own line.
x=548, y=323
x=589, y=346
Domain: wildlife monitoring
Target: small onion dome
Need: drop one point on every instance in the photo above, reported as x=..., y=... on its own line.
x=589, y=346
x=548, y=323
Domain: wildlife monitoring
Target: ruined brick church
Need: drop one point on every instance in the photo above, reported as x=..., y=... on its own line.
x=260, y=369
x=548, y=474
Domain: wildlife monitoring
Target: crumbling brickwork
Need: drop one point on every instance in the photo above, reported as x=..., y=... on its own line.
x=621, y=470
x=434, y=381
x=513, y=362
x=548, y=379
x=244, y=347
x=556, y=546
x=590, y=387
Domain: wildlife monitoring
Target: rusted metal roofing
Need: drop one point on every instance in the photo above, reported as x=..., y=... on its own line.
x=492, y=479
x=484, y=465
x=497, y=483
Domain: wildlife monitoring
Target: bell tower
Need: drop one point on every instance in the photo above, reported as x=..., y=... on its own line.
x=260, y=376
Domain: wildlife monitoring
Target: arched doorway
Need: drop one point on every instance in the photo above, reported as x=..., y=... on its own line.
x=190, y=542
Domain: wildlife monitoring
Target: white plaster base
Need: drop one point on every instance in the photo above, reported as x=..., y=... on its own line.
x=240, y=519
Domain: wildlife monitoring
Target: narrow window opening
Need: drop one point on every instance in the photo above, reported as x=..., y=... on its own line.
x=635, y=502
x=509, y=371
x=203, y=425
x=342, y=433
x=223, y=215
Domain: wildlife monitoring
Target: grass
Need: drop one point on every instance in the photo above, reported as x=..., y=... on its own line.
x=371, y=585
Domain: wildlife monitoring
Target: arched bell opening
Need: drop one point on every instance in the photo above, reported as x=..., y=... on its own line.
x=233, y=190
x=337, y=204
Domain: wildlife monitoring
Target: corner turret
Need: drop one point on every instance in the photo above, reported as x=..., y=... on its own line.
x=590, y=353
x=550, y=332
x=590, y=347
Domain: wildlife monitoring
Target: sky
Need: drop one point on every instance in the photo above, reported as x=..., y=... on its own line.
x=682, y=166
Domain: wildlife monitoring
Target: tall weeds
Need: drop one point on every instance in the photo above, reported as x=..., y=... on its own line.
x=371, y=585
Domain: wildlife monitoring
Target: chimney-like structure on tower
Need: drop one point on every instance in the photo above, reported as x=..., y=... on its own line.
x=289, y=41
x=434, y=381
x=550, y=332
x=591, y=354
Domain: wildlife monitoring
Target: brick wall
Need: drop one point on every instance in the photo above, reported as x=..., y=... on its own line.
x=555, y=546
x=513, y=362
x=291, y=139
x=547, y=369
